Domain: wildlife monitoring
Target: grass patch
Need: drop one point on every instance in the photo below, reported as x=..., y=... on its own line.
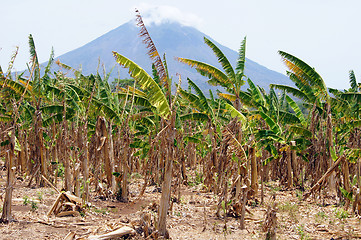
x=320, y=216
x=136, y=175
x=40, y=196
x=341, y=213
x=291, y=209
x=302, y=233
x=26, y=200
x=299, y=195
x=103, y=211
x=198, y=179
x=34, y=206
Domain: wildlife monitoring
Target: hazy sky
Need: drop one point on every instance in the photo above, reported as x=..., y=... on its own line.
x=324, y=33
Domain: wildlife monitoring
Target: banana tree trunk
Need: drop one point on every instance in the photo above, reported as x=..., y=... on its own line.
x=125, y=164
x=145, y=166
x=85, y=160
x=22, y=160
x=6, y=213
x=54, y=155
x=166, y=187
x=66, y=156
x=254, y=171
x=289, y=168
x=294, y=164
x=111, y=157
x=85, y=152
x=346, y=181
x=332, y=181
x=26, y=148
x=106, y=152
x=40, y=146
x=192, y=155
x=98, y=145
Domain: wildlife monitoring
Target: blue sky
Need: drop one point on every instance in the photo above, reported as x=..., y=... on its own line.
x=324, y=33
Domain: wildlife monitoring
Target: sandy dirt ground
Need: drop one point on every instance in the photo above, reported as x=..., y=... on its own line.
x=193, y=217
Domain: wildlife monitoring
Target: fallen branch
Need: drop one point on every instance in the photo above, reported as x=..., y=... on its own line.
x=324, y=177
x=70, y=236
x=73, y=198
x=50, y=184
x=52, y=224
x=68, y=213
x=115, y=234
x=55, y=204
x=66, y=204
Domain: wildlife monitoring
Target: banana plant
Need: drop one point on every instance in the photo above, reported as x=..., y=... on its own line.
x=158, y=93
x=231, y=79
x=311, y=88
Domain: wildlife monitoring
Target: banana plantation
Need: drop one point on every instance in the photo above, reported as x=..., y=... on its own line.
x=86, y=137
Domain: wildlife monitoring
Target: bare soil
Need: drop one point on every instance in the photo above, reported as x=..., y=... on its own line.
x=193, y=217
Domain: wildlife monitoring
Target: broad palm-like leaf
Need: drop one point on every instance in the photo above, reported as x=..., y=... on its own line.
x=197, y=116
x=294, y=91
x=287, y=118
x=50, y=62
x=202, y=99
x=132, y=90
x=304, y=72
x=301, y=131
x=270, y=135
x=138, y=100
x=256, y=94
x=270, y=122
x=353, y=81
x=222, y=59
x=297, y=110
x=154, y=93
x=351, y=96
x=198, y=102
x=241, y=57
x=227, y=78
x=235, y=113
x=229, y=97
x=109, y=112
x=247, y=99
x=216, y=76
x=17, y=87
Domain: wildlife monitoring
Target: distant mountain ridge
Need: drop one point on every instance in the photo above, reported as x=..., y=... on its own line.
x=173, y=39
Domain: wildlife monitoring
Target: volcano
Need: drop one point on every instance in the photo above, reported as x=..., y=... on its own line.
x=173, y=40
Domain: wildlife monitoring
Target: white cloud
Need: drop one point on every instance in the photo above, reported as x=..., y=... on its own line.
x=157, y=14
